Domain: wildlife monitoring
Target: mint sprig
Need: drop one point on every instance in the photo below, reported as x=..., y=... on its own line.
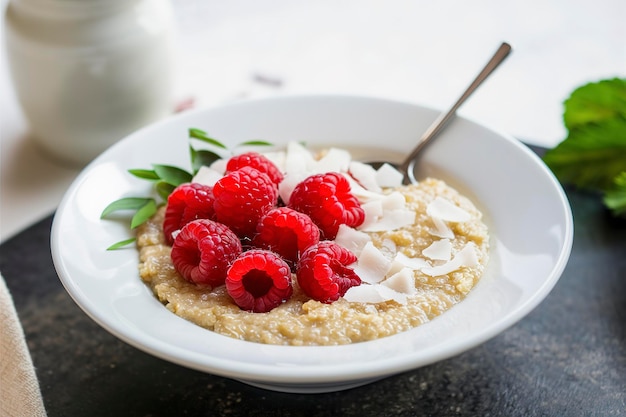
x=593, y=155
x=144, y=209
x=167, y=177
x=615, y=197
x=203, y=136
x=122, y=243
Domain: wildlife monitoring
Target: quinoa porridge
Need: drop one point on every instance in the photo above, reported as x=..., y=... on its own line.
x=445, y=260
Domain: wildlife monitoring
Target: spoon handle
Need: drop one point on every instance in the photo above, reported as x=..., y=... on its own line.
x=434, y=129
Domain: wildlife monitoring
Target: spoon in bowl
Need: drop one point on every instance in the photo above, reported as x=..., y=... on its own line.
x=407, y=167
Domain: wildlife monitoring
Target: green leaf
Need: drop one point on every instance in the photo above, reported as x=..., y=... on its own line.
x=202, y=157
x=146, y=174
x=615, y=198
x=596, y=103
x=164, y=189
x=256, y=143
x=144, y=213
x=127, y=203
x=122, y=243
x=171, y=174
x=592, y=155
x=202, y=135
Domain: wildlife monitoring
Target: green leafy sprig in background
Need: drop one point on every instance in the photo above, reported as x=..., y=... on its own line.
x=593, y=155
x=167, y=177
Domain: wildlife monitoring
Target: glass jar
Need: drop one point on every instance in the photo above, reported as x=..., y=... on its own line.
x=89, y=72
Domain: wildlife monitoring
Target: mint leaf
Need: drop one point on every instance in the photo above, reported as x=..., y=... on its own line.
x=615, y=198
x=592, y=155
x=203, y=136
x=202, y=157
x=171, y=174
x=146, y=174
x=127, y=203
x=255, y=143
x=164, y=189
x=144, y=213
x=122, y=244
x=596, y=103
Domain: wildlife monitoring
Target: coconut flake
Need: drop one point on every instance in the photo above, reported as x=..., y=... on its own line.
x=439, y=250
x=298, y=160
x=363, y=293
x=444, y=209
x=365, y=175
x=441, y=229
x=466, y=257
x=389, y=294
x=388, y=176
x=352, y=239
x=372, y=265
x=402, y=281
x=277, y=158
x=373, y=212
x=373, y=294
x=386, y=212
x=219, y=165
x=207, y=176
x=402, y=261
x=394, y=201
x=362, y=194
x=334, y=160
x=390, y=220
x=389, y=248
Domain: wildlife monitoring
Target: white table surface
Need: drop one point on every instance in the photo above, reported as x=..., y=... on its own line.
x=419, y=51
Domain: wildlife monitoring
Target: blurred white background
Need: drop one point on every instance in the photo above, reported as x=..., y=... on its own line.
x=419, y=51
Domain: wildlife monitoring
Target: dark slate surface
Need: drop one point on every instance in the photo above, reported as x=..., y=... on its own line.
x=566, y=358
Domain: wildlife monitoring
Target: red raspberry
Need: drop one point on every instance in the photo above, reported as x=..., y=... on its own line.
x=286, y=232
x=259, y=281
x=258, y=161
x=242, y=197
x=327, y=200
x=187, y=202
x=323, y=272
x=203, y=251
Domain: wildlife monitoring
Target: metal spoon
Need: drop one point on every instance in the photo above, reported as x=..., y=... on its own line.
x=407, y=167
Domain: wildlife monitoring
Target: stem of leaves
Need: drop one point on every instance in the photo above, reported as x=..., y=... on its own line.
x=167, y=178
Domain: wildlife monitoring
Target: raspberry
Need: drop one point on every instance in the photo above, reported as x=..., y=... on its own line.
x=203, y=251
x=242, y=197
x=323, y=272
x=189, y=201
x=327, y=200
x=259, y=280
x=286, y=232
x=258, y=161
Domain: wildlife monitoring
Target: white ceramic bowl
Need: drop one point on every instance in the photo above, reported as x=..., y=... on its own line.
x=524, y=206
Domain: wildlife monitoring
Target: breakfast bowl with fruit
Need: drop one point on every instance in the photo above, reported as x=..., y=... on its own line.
x=253, y=240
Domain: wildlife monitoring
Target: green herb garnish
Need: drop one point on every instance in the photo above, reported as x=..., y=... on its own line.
x=201, y=157
x=122, y=244
x=172, y=175
x=167, y=177
x=615, y=197
x=144, y=209
x=593, y=155
x=202, y=135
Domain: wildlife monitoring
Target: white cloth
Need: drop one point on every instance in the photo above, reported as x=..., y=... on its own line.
x=20, y=395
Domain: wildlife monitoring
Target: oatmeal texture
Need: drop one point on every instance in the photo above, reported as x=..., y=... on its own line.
x=301, y=321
